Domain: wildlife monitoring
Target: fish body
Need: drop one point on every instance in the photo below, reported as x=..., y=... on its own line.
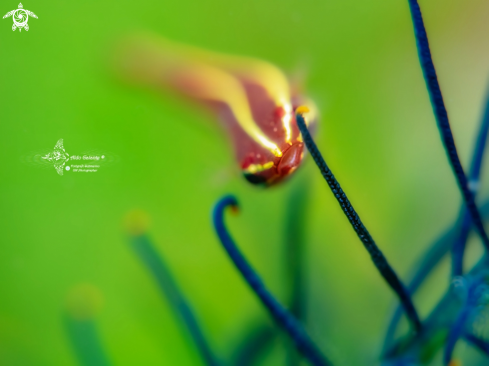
x=253, y=98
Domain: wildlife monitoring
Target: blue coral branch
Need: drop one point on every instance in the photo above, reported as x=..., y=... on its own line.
x=295, y=248
x=254, y=345
x=470, y=293
x=481, y=344
x=456, y=331
x=474, y=178
x=282, y=317
x=455, y=237
x=376, y=254
x=442, y=118
x=458, y=247
x=169, y=288
x=480, y=146
x=86, y=341
x=423, y=267
x=475, y=290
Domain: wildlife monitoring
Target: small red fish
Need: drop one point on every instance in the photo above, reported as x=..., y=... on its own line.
x=253, y=98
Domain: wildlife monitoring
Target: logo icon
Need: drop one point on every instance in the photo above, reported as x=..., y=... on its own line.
x=89, y=162
x=20, y=17
x=58, y=156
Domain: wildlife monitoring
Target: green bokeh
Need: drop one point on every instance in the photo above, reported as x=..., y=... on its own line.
x=377, y=132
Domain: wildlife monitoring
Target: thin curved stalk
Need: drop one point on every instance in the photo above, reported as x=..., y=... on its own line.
x=474, y=178
x=477, y=342
x=282, y=317
x=377, y=256
x=475, y=290
x=295, y=248
x=158, y=268
x=455, y=237
x=456, y=331
x=86, y=341
x=254, y=345
x=423, y=347
x=441, y=115
x=423, y=267
x=458, y=247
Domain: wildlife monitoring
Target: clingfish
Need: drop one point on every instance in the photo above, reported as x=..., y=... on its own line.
x=252, y=98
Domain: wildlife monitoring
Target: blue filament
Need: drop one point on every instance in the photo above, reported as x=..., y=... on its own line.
x=475, y=290
x=377, y=256
x=425, y=265
x=86, y=342
x=479, y=343
x=458, y=247
x=441, y=115
x=469, y=292
x=295, y=247
x=254, y=345
x=480, y=145
x=474, y=177
x=455, y=237
x=281, y=316
x=158, y=268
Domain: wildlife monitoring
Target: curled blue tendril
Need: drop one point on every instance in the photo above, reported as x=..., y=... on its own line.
x=282, y=317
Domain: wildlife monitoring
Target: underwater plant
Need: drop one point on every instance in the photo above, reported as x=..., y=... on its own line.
x=458, y=316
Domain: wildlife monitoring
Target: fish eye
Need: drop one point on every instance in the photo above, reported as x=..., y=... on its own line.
x=255, y=179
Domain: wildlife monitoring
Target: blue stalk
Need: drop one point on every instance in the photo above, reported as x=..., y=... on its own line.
x=425, y=265
x=295, y=250
x=158, y=268
x=422, y=347
x=475, y=290
x=441, y=115
x=282, y=317
x=479, y=343
x=86, y=342
x=474, y=178
x=254, y=345
x=377, y=256
x=455, y=237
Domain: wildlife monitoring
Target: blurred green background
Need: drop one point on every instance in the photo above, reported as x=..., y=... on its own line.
x=377, y=131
